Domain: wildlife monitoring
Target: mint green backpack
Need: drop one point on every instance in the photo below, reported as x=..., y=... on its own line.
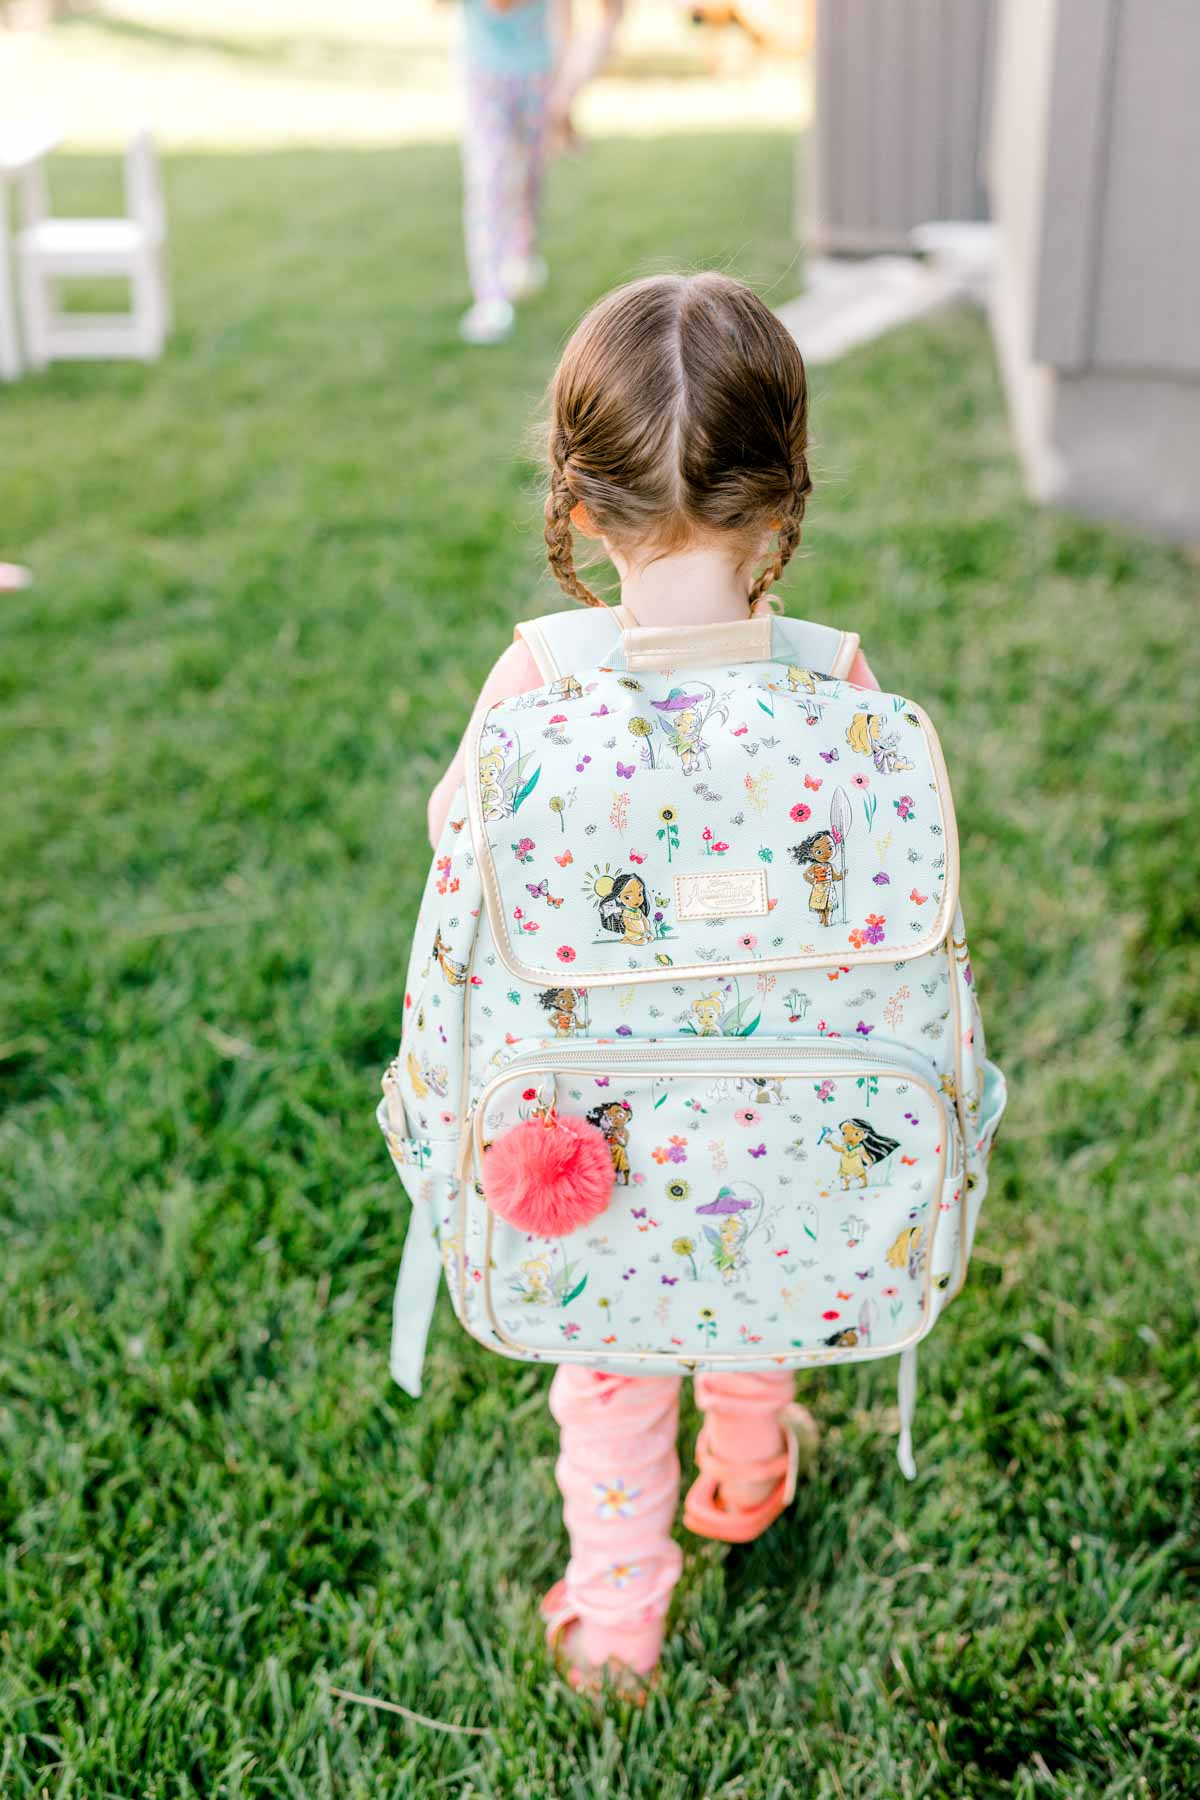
x=703, y=892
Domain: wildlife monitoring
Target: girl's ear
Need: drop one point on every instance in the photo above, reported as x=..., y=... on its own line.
x=581, y=519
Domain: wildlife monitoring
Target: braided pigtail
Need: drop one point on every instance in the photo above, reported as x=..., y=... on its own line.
x=789, y=532
x=560, y=544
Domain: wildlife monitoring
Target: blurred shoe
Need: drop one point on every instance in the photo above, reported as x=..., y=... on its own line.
x=13, y=577
x=487, y=322
x=525, y=276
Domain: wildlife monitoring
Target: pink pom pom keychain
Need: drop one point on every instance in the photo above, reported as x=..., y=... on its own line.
x=548, y=1175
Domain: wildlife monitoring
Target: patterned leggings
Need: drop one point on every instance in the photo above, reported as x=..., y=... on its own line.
x=504, y=155
x=619, y=1478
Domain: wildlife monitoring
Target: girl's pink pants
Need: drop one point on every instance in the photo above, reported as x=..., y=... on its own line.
x=618, y=1472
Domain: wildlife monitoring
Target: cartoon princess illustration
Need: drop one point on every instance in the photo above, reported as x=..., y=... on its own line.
x=859, y=1148
x=612, y=1117
x=683, y=715
x=818, y=851
x=908, y=1251
x=625, y=907
x=560, y=1004
x=455, y=972
x=706, y=1012
x=867, y=733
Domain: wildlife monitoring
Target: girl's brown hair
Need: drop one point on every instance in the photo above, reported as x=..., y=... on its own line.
x=679, y=411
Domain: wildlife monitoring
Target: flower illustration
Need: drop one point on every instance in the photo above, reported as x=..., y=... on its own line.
x=904, y=806
x=639, y=727
x=860, y=781
x=678, y=1190
x=706, y=834
x=889, y=1293
x=800, y=812
x=628, y=681
x=558, y=805
x=667, y=815
x=570, y=1330
x=706, y=1313
x=747, y=941
x=565, y=953
x=674, y=1151
x=529, y=1094
x=882, y=880
x=707, y=1323
x=683, y=1246
x=746, y=1117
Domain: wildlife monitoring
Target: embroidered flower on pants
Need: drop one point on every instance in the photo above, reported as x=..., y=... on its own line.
x=613, y=1499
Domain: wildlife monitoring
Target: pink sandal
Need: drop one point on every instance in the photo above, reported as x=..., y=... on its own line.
x=703, y=1514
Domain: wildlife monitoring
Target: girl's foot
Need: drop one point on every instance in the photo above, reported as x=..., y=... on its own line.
x=525, y=276
x=736, y=1504
x=487, y=322
x=589, y=1655
x=13, y=577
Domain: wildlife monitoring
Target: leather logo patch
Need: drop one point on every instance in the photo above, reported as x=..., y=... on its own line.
x=720, y=894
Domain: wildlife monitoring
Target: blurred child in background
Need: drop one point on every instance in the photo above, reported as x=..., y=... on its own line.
x=523, y=73
x=511, y=53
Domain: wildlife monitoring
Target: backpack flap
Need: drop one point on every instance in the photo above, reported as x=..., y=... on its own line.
x=720, y=819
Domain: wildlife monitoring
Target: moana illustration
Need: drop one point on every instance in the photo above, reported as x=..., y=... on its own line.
x=868, y=734
x=612, y=1118
x=683, y=715
x=625, y=907
x=815, y=856
x=560, y=1005
x=859, y=1148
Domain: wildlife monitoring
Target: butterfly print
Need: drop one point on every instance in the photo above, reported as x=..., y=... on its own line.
x=758, y=1150
x=565, y=859
x=813, y=782
x=829, y=756
x=639, y=1212
x=626, y=770
x=456, y=825
x=634, y=857
x=740, y=730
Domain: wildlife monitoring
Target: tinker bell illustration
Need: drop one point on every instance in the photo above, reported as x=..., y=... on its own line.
x=868, y=734
x=625, y=907
x=505, y=778
x=683, y=715
x=859, y=1148
x=740, y=1207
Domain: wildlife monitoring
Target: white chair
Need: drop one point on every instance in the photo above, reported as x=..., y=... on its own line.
x=50, y=250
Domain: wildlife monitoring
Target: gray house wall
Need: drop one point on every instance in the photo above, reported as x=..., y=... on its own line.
x=901, y=115
x=1095, y=186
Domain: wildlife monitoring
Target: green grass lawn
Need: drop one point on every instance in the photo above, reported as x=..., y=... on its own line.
x=271, y=573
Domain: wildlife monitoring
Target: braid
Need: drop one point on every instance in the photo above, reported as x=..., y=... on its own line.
x=789, y=531
x=560, y=546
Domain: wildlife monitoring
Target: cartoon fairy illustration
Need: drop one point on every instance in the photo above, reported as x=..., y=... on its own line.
x=567, y=687
x=706, y=1010
x=859, y=1148
x=740, y=1207
x=561, y=1005
x=868, y=734
x=612, y=1117
x=538, y=1282
x=505, y=778
x=455, y=972
x=683, y=715
x=625, y=907
x=908, y=1251
x=818, y=852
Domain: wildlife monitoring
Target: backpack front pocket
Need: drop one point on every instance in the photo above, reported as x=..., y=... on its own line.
x=774, y=1203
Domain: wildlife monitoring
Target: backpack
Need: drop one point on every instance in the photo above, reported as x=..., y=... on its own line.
x=701, y=891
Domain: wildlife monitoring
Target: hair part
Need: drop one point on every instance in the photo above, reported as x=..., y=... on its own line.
x=679, y=412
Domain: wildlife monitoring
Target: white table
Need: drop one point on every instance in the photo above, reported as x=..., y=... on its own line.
x=22, y=152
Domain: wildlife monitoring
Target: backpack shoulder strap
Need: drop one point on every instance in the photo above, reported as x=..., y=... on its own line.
x=565, y=642
x=822, y=648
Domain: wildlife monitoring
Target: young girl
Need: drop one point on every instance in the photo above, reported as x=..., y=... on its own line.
x=678, y=437
x=509, y=56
